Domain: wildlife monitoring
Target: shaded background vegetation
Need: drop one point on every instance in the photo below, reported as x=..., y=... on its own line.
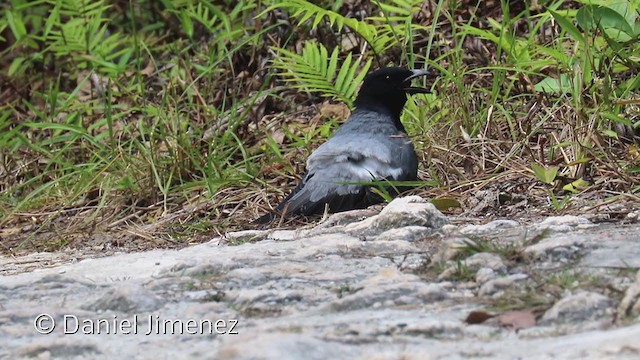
x=170, y=120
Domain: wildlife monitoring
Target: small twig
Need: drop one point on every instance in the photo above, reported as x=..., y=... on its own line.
x=612, y=200
x=135, y=214
x=187, y=210
x=56, y=212
x=95, y=80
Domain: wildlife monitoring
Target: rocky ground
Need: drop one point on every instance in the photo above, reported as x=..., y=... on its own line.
x=402, y=284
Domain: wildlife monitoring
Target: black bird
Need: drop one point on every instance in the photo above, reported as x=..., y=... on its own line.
x=372, y=145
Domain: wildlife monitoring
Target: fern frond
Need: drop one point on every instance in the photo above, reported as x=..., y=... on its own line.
x=304, y=10
x=395, y=20
x=316, y=71
x=398, y=10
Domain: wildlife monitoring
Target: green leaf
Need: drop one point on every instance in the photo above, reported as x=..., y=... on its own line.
x=550, y=85
x=187, y=24
x=333, y=63
x=355, y=84
x=16, y=24
x=445, y=203
x=468, y=29
x=546, y=175
x=561, y=56
x=315, y=71
x=579, y=161
x=342, y=77
x=610, y=133
x=15, y=65
x=54, y=18
x=617, y=118
x=576, y=186
x=568, y=26
x=304, y=10
x=383, y=193
x=590, y=17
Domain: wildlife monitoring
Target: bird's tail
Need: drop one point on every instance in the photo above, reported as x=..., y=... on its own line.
x=265, y=219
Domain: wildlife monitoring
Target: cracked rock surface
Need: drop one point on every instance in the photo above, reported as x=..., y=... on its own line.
x=399, y=284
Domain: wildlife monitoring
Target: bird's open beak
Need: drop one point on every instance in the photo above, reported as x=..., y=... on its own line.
x=416, y=90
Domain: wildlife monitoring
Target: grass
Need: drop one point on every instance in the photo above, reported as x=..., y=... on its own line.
x=510, y=251
x=570, y=279
x=188, y=119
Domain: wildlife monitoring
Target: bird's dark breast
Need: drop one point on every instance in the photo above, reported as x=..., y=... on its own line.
x=405, y=157
x=337, y=203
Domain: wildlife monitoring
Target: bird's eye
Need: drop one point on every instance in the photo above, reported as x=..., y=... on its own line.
x=387, y=77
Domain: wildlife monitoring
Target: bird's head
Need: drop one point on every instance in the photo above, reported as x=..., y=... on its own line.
x=386, y=89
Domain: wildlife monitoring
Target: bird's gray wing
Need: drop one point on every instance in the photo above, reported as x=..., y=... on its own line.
x=333, y=169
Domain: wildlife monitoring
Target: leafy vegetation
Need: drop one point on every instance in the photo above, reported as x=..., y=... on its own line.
x=175, y=119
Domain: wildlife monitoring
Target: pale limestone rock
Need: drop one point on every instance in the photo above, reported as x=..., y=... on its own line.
x=581, y=306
